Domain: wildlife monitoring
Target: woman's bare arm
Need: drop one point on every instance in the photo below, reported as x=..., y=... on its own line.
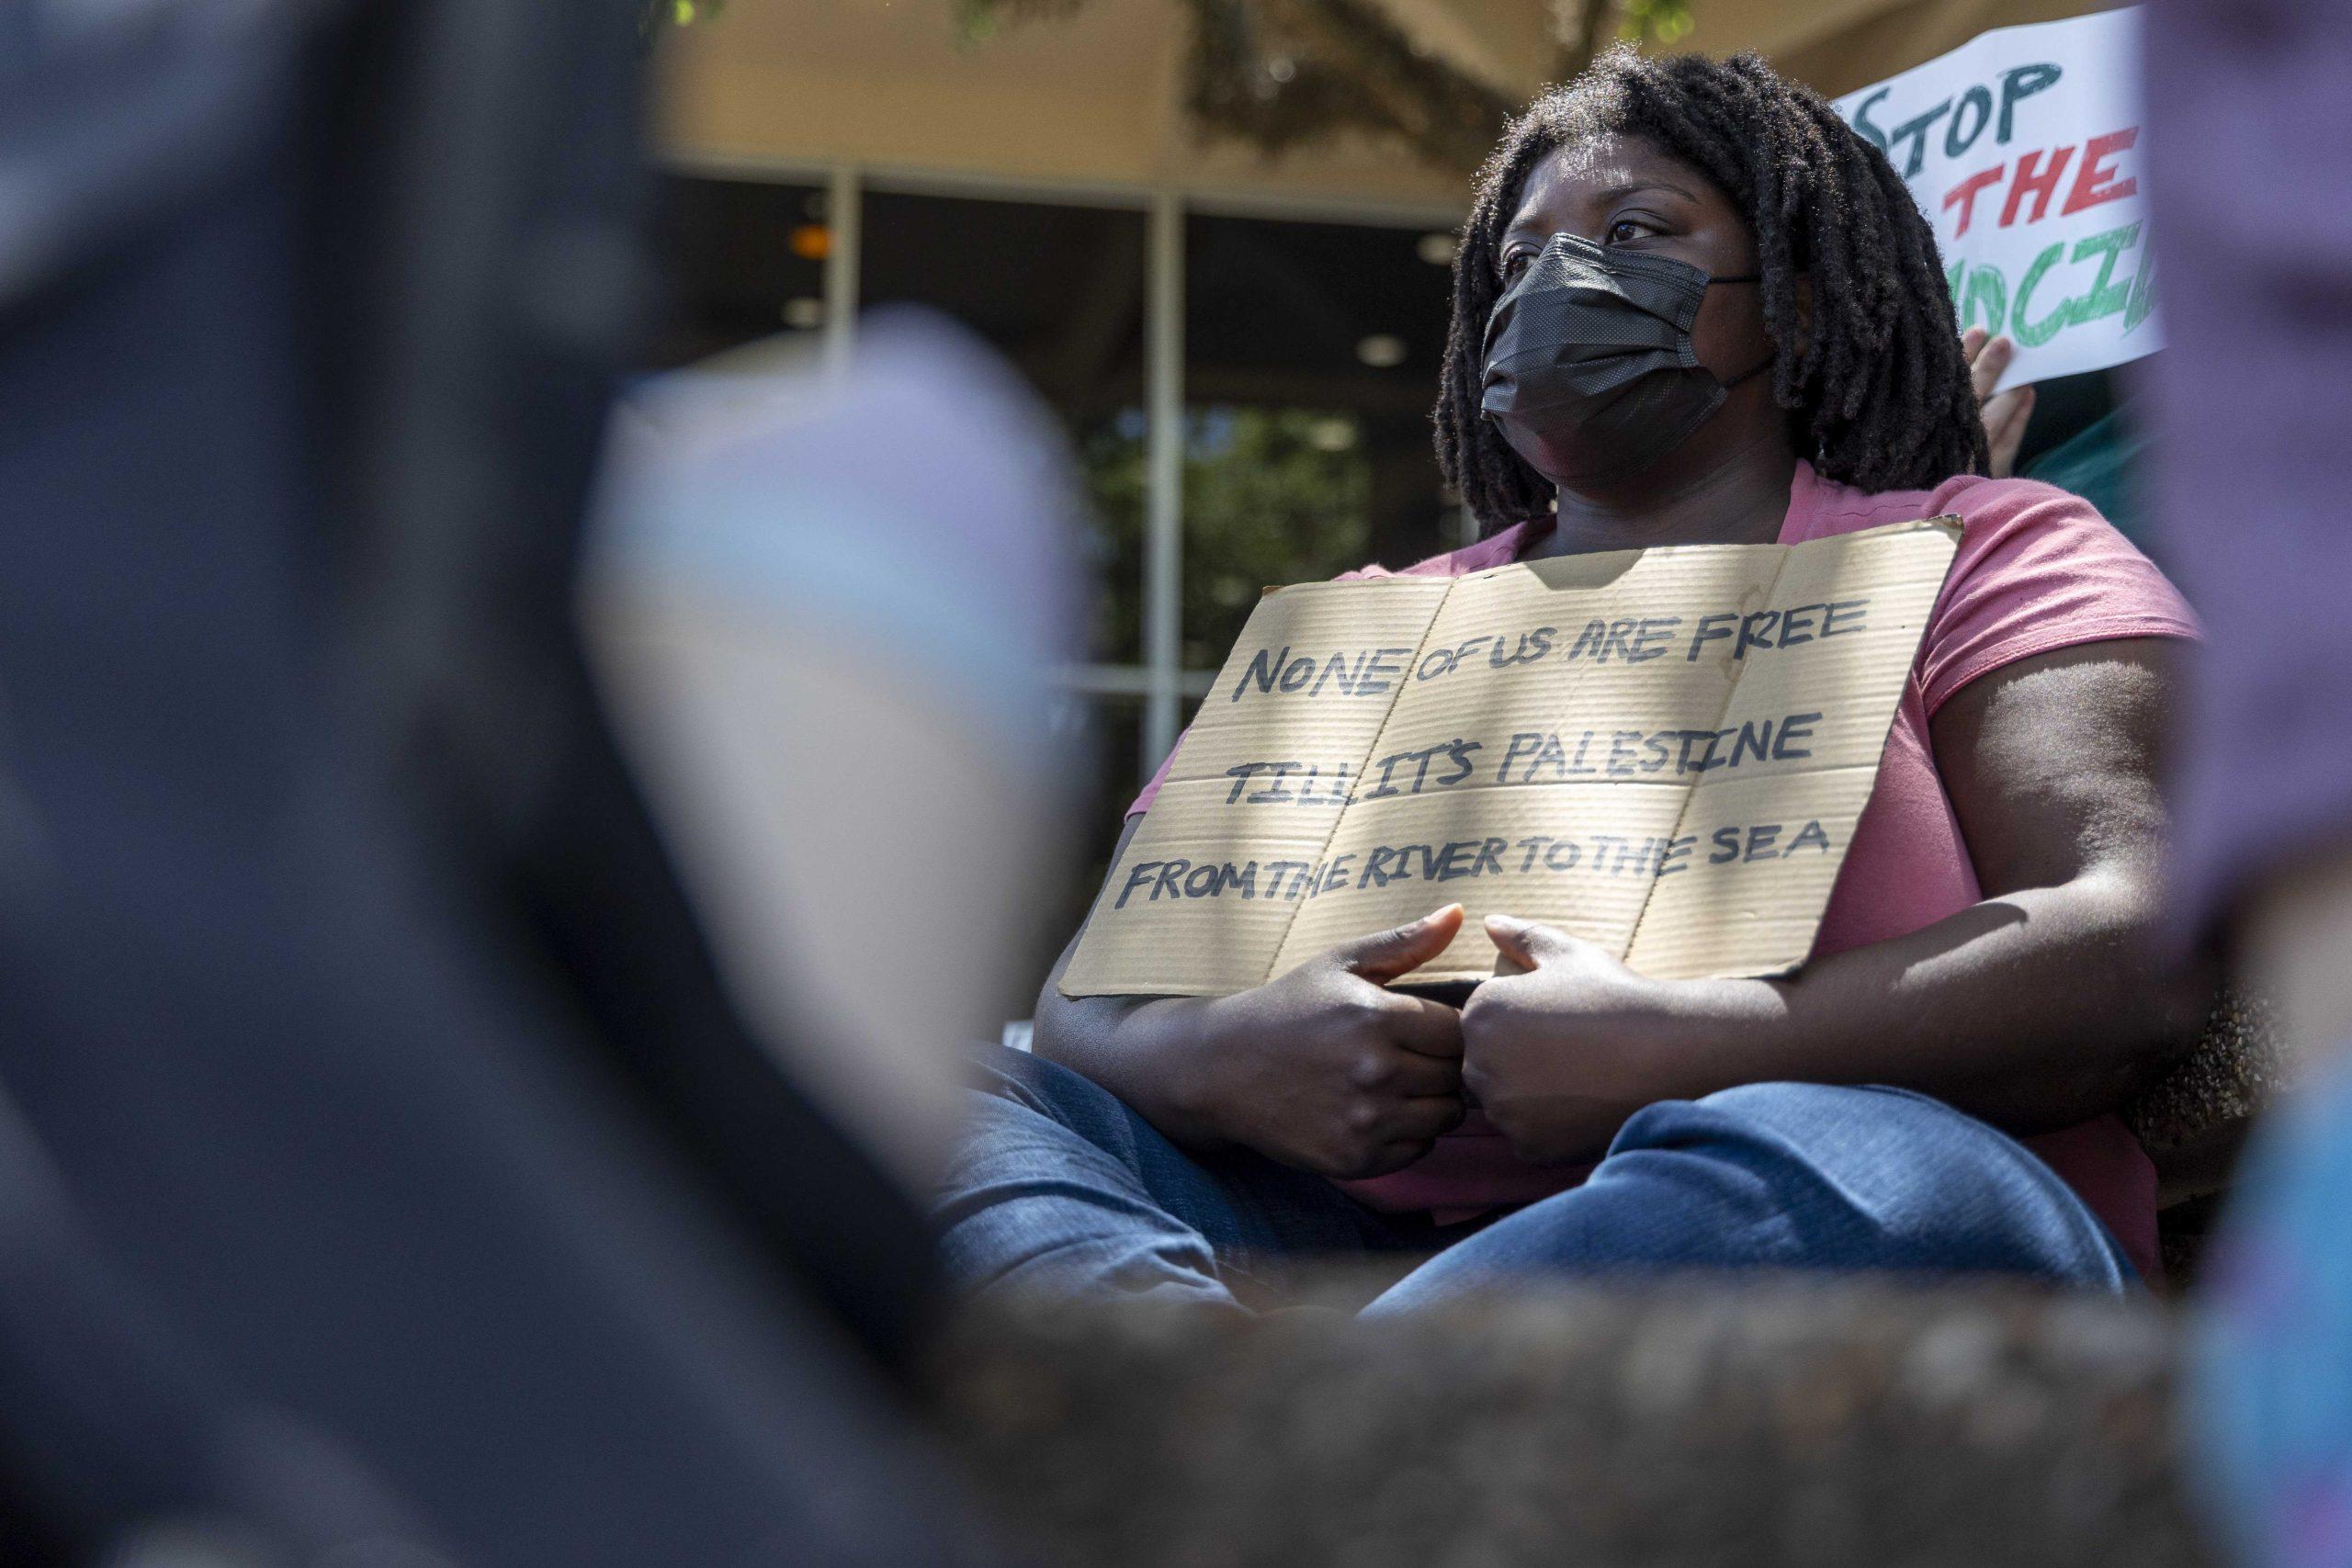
x=2044, y=1005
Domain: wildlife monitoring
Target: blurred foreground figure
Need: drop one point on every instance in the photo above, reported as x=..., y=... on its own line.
x=2256, y=244
x=385, y=1174
x=826, y=608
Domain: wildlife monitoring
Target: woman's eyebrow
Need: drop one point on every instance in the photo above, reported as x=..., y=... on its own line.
x=1633, y=187
x=1531, y=228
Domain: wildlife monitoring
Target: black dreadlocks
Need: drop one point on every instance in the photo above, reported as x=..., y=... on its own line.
x=1877, y=393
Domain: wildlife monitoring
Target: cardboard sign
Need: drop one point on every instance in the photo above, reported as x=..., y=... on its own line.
x=1664, y=751
x=2023, y=148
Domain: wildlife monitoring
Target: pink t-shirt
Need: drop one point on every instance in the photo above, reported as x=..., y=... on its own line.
x=2038, y=569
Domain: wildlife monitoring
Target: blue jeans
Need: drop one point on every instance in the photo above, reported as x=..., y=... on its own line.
x=1059, y=1186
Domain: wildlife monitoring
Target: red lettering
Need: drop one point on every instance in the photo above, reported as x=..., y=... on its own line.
x=2095, y=182
x=2035, y=181
x=1963, y=194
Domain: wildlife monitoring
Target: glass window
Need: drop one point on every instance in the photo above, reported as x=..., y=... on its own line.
x=1311, y=355
x=741, y=260
x=1059, y=290
x=1311, y=359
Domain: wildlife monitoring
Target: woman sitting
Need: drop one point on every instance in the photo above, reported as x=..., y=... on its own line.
x=1936, y=1089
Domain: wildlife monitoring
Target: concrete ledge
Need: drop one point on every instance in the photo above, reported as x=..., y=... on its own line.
x=1687, y=1422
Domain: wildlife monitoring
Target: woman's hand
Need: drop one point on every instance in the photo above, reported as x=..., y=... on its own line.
x=1324, y=1067
x=1558, y=1054
x=2004, y=416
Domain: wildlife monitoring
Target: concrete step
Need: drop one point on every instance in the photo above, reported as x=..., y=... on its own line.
x=1686, y=1423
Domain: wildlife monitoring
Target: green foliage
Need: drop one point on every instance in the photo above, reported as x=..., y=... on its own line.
x=1112, y=463
x=1276, y=73
x=1272, y=495
x=976, y=21
x=1664, y=22
x=653, y=15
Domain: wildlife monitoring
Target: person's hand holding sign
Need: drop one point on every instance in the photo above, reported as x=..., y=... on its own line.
x=1560, y=1052
x=1327, y=1068
x=2005, y=415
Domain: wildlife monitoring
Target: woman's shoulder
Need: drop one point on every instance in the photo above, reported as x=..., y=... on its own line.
x=2038, y=569
x=1982, y=505
x=2009, y=525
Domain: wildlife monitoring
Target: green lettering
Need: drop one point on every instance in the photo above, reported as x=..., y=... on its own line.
x=2033, y=334
x=1988, y=293
x=2106, y=298
x=2143, y=292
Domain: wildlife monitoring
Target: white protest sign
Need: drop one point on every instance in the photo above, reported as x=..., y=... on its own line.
x=2023, y=147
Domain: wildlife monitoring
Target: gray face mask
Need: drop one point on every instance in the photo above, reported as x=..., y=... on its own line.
x=1589, y=372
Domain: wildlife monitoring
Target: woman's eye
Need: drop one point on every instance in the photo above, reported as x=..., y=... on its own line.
x=1513, y=264
x=1627, y=230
